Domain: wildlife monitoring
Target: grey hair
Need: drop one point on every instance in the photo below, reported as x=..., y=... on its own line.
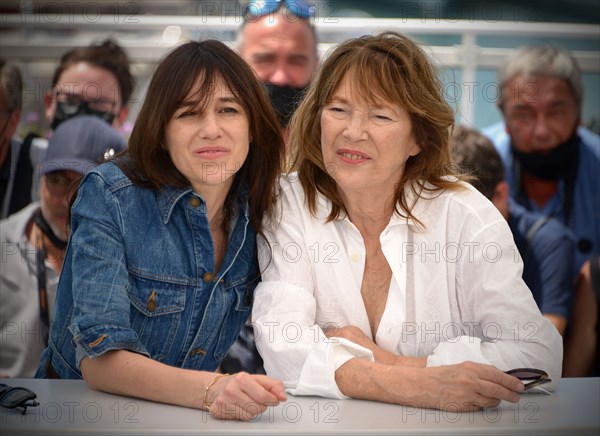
x=542, y=60
x=12, y=86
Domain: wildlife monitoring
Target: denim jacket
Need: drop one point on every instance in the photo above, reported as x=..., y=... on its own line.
x=139, y=275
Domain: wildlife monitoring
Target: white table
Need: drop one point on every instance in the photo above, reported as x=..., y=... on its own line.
x=69, y=407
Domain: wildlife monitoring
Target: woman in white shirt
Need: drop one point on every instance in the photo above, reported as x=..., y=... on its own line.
x=386, y=278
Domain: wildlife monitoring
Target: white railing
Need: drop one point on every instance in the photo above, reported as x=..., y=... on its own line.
x=31, y=38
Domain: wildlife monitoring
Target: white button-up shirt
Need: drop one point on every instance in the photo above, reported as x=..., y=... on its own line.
x=456, y=292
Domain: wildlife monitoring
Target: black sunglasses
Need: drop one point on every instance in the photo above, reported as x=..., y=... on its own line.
x=17, y=397
x=530, y=377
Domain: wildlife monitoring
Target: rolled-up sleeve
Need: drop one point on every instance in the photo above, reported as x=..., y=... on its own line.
x=295, y=349
x=97, y=260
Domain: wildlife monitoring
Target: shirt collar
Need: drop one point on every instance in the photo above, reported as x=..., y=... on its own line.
x=414, y=198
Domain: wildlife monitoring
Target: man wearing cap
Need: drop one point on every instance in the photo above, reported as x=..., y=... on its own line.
x=34, y=241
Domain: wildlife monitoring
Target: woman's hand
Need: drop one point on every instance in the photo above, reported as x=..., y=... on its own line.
x=243, y=396
x=464, y=387
x=467, y=386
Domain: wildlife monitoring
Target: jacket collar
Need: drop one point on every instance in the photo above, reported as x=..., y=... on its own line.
x=168, y=196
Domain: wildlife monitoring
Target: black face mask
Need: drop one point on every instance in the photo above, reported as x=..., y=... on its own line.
x=64, y=111
x=285, y=99
x=550, y=165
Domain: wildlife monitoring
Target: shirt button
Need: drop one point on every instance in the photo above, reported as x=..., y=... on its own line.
x=354, y=257
x=207, y=277
x=197, y=351
x=194, y=202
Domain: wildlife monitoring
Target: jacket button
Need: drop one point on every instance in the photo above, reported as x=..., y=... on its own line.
x=151, y=304
x=194, y=202
x=207, y=277
x=197, y=351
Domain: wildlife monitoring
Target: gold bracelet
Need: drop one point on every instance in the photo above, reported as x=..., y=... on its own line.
x=205, y=405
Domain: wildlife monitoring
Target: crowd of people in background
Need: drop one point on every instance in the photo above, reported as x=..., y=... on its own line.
x=162, y=252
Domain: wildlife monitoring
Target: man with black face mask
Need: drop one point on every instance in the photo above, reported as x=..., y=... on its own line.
x=552, y=163
x=278, y=40
x=91, y=80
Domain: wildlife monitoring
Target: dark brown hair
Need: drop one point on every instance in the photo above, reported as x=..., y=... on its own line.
x=107, y=55
x=147, y=161
x=391, y=67
x=476, y=155
x=11, y=82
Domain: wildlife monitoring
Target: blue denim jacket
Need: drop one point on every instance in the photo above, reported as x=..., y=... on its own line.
x=139, y=275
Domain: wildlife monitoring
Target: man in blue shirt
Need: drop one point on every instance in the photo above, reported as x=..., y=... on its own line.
x=545, y=245
x=552, y=164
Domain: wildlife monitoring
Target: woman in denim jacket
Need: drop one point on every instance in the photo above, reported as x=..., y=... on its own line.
x=161, y=266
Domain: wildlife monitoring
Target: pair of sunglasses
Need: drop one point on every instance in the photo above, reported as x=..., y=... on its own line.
x=259, y=8
x=17, y=398
x=530, y=377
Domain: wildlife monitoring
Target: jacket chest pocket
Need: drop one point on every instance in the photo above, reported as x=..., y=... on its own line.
x=156, y=315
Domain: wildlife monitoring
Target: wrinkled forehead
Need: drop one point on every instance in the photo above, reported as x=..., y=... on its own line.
x=538, y=89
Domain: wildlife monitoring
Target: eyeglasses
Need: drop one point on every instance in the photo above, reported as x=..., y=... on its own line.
x=530, y=377
x=17, y=397
x=73, y=101
x=260, y=8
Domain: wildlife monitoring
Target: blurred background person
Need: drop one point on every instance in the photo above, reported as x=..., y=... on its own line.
x=11, y=102
x=279, y=42
x=35, y=238
x=582, y=348
x=552, y=163
x=93, y=80
x=545, y=245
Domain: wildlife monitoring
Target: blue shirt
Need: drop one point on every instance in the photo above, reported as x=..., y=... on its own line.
x=548, y=267
x=139, y=275
x=584, y=220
